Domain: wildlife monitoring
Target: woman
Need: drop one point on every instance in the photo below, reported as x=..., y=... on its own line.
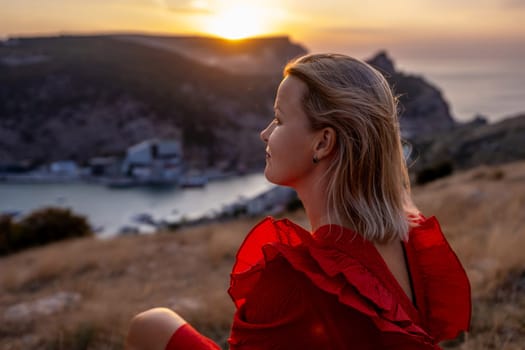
x=373, y=273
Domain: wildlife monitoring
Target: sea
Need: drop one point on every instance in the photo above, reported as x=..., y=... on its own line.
x=111, y=210
x=492, y=88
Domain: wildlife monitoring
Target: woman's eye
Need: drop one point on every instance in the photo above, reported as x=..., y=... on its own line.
x=276, y=121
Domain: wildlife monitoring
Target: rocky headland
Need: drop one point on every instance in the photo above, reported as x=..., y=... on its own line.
x=467, y=145
x=422, y=108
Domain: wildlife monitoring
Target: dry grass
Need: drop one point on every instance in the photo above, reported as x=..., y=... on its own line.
x=481, y=211
x=187, y=270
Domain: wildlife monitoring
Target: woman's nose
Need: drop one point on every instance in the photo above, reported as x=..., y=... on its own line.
x=264, y=134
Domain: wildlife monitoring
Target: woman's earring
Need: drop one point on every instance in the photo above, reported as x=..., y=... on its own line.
x=315, y=160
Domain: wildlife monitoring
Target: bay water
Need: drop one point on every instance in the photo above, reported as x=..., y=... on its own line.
x=110, y=209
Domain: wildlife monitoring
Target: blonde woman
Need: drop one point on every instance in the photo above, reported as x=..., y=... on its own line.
x=372, y=272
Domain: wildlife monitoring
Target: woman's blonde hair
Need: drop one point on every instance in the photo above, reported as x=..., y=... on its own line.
x=368, y=184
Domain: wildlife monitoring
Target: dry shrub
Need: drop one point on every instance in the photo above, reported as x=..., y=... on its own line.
x=41, y=227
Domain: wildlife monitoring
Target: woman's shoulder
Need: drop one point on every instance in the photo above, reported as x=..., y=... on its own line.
x=268, y=231
x=261, y=250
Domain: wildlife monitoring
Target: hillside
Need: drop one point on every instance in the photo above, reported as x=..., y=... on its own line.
x=78, y=97
x=75, y=97
x=80, y=294
x=466, y=146
x=256, y=56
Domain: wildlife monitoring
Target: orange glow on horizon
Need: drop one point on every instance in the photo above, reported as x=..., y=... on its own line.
x=412, y=26
x=237, y=22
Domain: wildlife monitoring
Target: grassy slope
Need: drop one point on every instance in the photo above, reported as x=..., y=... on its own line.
x=481, y=212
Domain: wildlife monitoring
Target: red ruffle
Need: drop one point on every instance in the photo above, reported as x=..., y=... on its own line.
x=445, y=289
x=341, y=263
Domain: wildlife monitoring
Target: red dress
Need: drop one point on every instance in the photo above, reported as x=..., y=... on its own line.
x=332, y=290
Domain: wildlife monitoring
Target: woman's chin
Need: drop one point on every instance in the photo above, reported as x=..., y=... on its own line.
x=268, y=176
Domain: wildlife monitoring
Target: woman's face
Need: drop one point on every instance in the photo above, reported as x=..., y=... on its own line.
x=289, y=138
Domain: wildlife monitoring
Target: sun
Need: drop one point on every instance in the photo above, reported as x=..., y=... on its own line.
x=237, y=22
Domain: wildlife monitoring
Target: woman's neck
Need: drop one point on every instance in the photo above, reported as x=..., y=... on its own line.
x=315, y=201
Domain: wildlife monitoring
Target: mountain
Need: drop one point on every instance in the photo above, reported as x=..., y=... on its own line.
x=77, y=97
x=251, y=56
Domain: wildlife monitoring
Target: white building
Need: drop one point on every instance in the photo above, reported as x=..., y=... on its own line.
x=154, y=160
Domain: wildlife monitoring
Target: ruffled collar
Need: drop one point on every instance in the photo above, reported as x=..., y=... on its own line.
x=440, y=284
x=354, y=245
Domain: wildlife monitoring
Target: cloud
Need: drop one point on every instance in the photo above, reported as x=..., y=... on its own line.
x=187, y=6
x=354, y=30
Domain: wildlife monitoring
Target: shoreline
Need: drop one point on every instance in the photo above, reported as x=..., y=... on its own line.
x=147, y=209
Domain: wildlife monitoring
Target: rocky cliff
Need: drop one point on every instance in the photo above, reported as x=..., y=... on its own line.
x=466, y=146
x=423, y=108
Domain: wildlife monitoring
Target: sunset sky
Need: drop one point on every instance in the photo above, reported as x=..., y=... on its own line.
x=406, y=27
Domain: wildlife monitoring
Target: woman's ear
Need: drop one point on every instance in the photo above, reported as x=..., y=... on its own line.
x=325, y=142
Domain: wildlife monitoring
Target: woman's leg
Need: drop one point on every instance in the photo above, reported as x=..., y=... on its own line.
x=152, y=329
